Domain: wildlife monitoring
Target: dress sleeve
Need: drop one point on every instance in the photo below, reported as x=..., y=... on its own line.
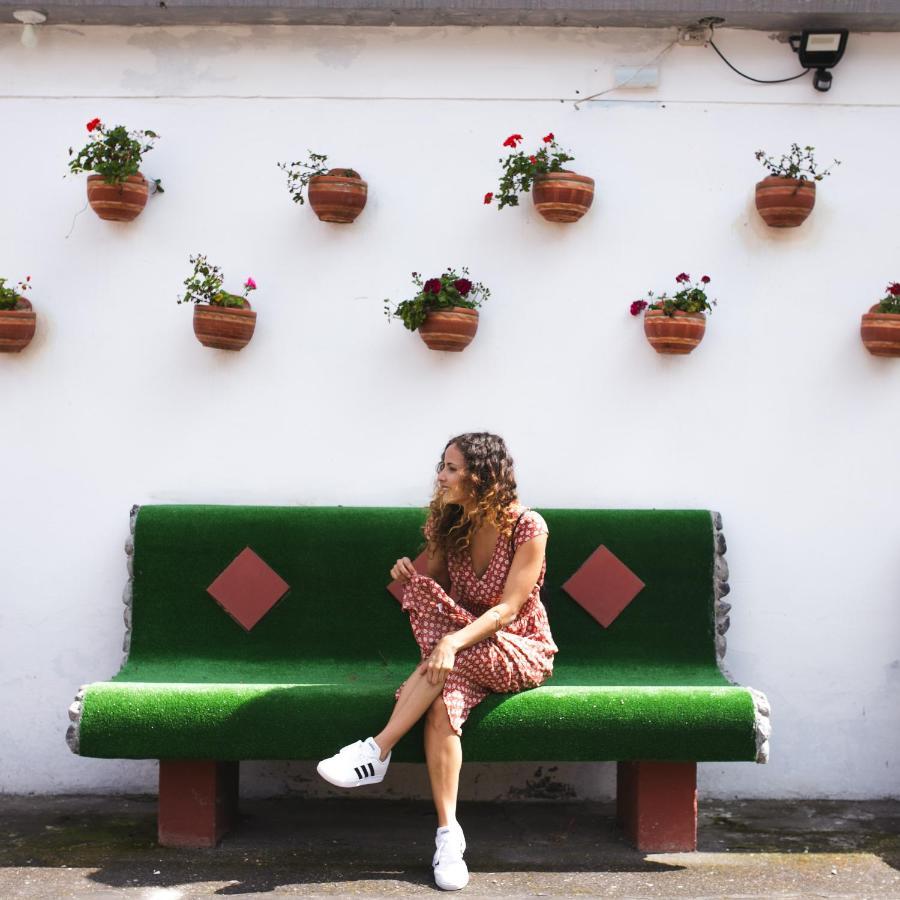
x=531, y=525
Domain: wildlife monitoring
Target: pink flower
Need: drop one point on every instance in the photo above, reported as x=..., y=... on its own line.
x=706, y=279
x=638, y=306
x=250, y=284
x=682, y=278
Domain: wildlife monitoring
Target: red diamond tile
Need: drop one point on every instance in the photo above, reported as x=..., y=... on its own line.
x=421, y=564
x=604, y=586
x=247, y=588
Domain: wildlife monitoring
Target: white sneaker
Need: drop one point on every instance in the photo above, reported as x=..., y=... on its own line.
x=450, y=871
x=355, y=765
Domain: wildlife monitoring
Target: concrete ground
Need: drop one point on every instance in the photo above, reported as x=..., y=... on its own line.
x=87, y=846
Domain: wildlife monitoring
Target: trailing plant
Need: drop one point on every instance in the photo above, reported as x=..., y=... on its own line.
x=9, y=296
x=445, y=291
x=204, y=285
x=520, y=169
x=114, y=153
x=299, y=173
x=891, y=302
x=691, y=298
x=798, y=163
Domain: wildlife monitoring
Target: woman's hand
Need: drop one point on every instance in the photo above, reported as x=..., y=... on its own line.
x=440, y=663
x=403, y=570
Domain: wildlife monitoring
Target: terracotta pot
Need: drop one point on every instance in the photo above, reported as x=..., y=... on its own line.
x=562, y=196
x=785, y=202
x=880, y=332
x=677, y=334
x=449, y=329
x=224, y=327
x=118, y=202
x=17, y=326
x=336, y=197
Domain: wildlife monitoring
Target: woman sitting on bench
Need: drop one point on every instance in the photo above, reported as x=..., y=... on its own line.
x=487, y=551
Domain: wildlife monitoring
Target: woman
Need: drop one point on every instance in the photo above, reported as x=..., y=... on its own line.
x=486, y=551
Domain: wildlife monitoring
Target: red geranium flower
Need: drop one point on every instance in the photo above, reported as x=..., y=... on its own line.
x=706, y=279
x=488, y=197
x=894, y=289
x=513, y=140
x=93, y=124
x=532, y=159
x=548, y=138
x=638, y=306
x=432, y=286
x=463, y=285
x=683, y=277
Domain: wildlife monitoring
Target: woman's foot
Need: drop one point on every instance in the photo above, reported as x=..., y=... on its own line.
x=355, y=765
x=450, y=870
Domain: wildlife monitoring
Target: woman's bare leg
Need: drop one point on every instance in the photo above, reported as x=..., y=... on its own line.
x=443, y=752
x=415, y=697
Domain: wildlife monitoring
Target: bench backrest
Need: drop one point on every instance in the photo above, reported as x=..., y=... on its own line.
x=337, y=561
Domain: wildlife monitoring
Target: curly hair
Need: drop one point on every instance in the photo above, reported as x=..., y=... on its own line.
x=491, y=490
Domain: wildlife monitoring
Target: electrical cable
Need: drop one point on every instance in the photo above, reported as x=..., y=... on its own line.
x=750, y=77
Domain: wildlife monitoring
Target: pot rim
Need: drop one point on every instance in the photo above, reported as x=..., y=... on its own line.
x=872, y=312
x=676, y=312
x=235, y=309
x=27, y=308
x=574, y=175
x=140, y=177
x=452, y=309
x=331, y=177
x=782, y=178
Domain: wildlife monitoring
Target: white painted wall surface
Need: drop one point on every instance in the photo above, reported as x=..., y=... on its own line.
x=780, y=419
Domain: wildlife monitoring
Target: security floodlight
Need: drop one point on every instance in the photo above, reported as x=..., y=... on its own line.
x=821, y=50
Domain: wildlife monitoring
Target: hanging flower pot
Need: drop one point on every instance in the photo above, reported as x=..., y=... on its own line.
x=118, y=192
x=335, y=195
x=679, y=332
x=224, y=327
x=880, y=326
x=17, y=319
x=559, y=195
x=118, y=202
x=449, y=329
x=786, y=197
x=443, y=310
x=221, y=320
x=676, y=324
x=562, y=196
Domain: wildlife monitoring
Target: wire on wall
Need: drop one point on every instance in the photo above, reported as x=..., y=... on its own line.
x=712, y=44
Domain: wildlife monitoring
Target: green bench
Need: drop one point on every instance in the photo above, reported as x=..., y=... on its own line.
x=199, y=692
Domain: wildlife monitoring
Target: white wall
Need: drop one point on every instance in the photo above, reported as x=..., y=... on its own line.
x=780, y=419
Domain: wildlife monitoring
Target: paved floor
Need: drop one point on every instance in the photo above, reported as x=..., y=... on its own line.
x=94, y=847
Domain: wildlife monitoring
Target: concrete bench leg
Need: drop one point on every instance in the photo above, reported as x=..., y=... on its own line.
x=656, y=805
x=198, y=801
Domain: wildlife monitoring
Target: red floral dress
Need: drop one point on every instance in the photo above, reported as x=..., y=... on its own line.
x=517, y=657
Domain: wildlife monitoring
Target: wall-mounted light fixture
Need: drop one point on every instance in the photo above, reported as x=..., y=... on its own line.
x=820, y=50
x=29, y=18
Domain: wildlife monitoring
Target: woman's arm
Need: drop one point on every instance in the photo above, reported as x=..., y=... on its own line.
x=523, y=575
x=437, y=566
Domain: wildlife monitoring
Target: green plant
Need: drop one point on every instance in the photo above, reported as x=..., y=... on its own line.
x=446, y=291
x=204, y=285
x=891, y=302
x=799, y=164
x=690, y=299
x=9, y=296
x=299, y=173
x=114, y=153
x=520, y=169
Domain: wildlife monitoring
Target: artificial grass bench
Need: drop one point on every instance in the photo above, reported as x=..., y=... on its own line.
x=202, y=688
